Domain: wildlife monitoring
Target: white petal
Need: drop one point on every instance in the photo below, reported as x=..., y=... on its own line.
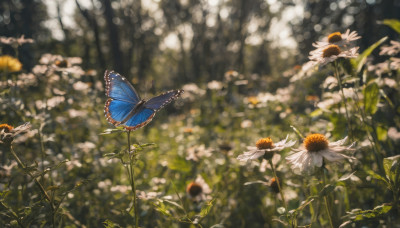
x=333, y=156
x=282, y=142
x=316, y=159
x=339, y=142
x=250, y=155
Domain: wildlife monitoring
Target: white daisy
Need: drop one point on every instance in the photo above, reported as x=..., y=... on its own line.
x=266, y=148
x=327, y=54
x=198, y=190
x=344, y=41
x=317, y=148
x=8, y=133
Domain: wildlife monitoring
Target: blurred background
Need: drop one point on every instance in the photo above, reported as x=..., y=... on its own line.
x=188, y=40
x=237, y=58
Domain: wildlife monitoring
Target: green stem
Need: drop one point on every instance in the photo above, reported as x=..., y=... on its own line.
x=326, y=200
x=31, y=175
x=280, y=191
x=37, y=182
x=344, y=99
x=131, y=173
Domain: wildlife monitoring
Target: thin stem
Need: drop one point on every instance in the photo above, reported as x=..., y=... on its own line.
x=37, y=182
x=280, y=190
x=131, y=173
x=343, y=98
x=31, y=175
x=326, y=200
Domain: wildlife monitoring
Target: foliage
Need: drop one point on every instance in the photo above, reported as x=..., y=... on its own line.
x=70, y=168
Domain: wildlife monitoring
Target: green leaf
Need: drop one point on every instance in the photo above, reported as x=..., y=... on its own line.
x=392, y=23
x=316, y=112
x=371, y=98
x=347, y=176
x=390, y=164
x=369, y=214
x=326, y=190
x=381, y=133
x=362, y=58
x=305, y=203
x=377, y=176
x=205, y=210
x=110, y=224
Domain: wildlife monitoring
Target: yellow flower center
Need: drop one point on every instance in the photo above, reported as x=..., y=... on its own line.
x=334, y=37
x=194, y=189
x=265, y=143
x=331, y=50
x=7, y=128
x=9, y=64
x=253, y=100
x=316, y=142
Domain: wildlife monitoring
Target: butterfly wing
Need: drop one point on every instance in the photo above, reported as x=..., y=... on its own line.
x=118, y=88
x=140, y=118
x=124, y=106
x=156, y=103
x=122, y=100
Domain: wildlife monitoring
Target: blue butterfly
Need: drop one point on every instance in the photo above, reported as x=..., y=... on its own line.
x=124, y=106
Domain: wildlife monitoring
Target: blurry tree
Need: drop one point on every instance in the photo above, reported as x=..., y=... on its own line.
x=324, y=17
x=23, y=17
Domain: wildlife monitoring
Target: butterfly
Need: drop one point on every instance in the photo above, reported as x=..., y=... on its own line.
x=125, y=107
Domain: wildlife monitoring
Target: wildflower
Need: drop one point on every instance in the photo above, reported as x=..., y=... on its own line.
x=323, y=56
x=316, y=148
x=8, y=133
x=392, y=50
x=198, y=190
x=344, y=41
x=231, y=75
x=9, y=64
x=15, y=41
x=195, y=153
x=265, y=147
x=215, y=85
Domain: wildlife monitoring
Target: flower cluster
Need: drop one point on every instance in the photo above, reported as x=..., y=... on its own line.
x=335, y=46
x=316, y=148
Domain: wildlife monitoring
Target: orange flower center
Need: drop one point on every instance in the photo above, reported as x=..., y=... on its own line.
x=274, y=185
x=334, y=37
x=194, y=189
x=61, y=63
x=316, y=142
x=265, y=143
x=253, y=100
x=331, y=50
x=7, y=128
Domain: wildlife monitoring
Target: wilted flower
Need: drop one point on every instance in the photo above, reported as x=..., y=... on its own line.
x=316, y=148
x=8, y=133
x=266, y=148
x=9, y=64
x=198, y=190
